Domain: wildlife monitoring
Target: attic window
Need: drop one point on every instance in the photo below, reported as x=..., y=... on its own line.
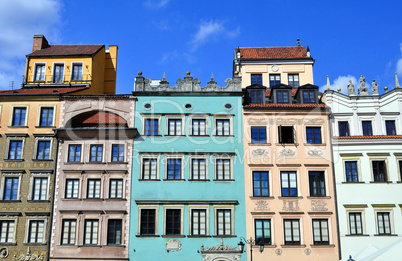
x=256, y=96
x=308, y=96
x=282, y=96
x=286, y=134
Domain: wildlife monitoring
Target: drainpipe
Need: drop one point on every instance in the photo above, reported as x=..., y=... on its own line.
x=52, y=201
x=334, y=181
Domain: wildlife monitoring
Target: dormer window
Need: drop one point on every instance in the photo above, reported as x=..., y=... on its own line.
x=40, y=70
x=58, y=73
x=76, y=74
x=308, y=96
x=282, y=96
x=256, y=96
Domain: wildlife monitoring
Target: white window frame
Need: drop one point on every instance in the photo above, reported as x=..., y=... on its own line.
x=53, y=72
x=181, y=208
x=140, y=208
x=101, y=186
x=223, y=157
x=86, y=218
x=167, y=157
x=27, y=232
x=151, y=116
x=223, y=117
x=336, y=126
x=373, y=125
x=329, y=223
x=15, y=220
x=72, y=68
x=301, y=228
x=149, y=156
x=321, y=134
x=266, y=217
x=175, y=117
x=270, y=171
x=198, y=117
x=389, y=118
x=3, y=183
x=204, y=157
x=15, y=138
x=32, y=185
x=325, y=181
x=26, y=106
x=90, y=150
x=294, y=135
x=190, y=218
x=358, y=165
x=111, y=151
x=232, y=219
x=108, y=183
x=42, y=138
x=298, y=184
x=71, y=177
x=69, y=217
x=40, y=107
x=82, y=153
x=34, y=71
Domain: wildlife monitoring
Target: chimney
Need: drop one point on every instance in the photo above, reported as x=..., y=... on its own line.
x=39, y=42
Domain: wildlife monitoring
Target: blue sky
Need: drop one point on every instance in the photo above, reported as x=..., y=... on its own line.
x=347, y=38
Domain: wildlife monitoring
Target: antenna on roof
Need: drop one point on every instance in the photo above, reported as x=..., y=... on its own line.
x=298, y=42
x=11, y=84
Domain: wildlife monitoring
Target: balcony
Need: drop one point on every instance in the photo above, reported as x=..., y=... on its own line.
x=56, y=80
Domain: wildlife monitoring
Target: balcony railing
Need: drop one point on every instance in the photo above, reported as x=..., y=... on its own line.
x=58, y=80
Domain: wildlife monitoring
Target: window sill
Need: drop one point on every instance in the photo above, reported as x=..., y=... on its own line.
x=95, y=162
x=38, y=201
x=179, y=136
x=199, y=135
x=290, y=197
x=117, y=162
x=10, y=200
x=223, y=136
x=42, y=159
x=259, y=144
x=318, y=197
x=34, y=244
x=315, y=144
x=266, y=246
x=152, y=135
x=287, y=144
x=116, y=199
x=169, y=236
x=385, y=235
x=381, y=182
x=112, y=245
x=45, y=127
x=261, y=197
x=173, y=179
x=73, y=162
x=328, y=245
x=17, y=160
x=223, y=180
x=352, y=182
x=357, y=235
x=151, y=180
x=147, y=235
x=224, y=236
x=199, y=180
x=89, y=246
x=198, y=236
x=287, y=246
x=8, y=243
x=13, y=127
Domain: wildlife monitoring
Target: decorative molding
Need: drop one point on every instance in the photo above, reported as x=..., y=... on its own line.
x=257, y=121
x=378, y=154
x=262, y=206
x=350, y=154
x=28, y=256
x=278, y=251
x=316, y=121
x=290, y=205
x=221, y=252
x=315, y=153
x=4, y=252
x=383, y=205
x=307, y=251
x=173, y=245
x=355, y=206
x=287, y=153
x=318, y=205
x=259, y=153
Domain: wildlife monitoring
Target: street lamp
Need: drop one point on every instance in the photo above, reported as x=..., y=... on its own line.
x=252, y=243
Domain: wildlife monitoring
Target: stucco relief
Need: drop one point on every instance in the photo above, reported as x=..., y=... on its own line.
x=278, y=252
x=261, y=206
x=307, y=251
x=257, y=121
x=286, y=121
x=318, y=205
x=315, y=153
x=221, y=252
x=287, y=153
x=291, y=205
x=4, y=252
x=314, y=121
x=258, y=153
x=173, y=245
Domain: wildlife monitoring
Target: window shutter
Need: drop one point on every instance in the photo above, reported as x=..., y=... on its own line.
x=280, y=133
x=294, y=134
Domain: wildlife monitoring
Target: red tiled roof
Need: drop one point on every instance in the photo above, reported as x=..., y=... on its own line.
x=285, y=105
x=291, y=52
x=98, y=119
x=73, y=49
x=268, y=92
x=369, y=137
x=42, y=90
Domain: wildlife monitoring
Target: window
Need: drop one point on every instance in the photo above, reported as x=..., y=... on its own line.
x=149, y=168
x=114, y=231
x=68, y=231
x=36, y=232
x=198, y=127
x=256, y=96
x=286, y=134
x=96, y=153
x=260, y=184
x=173, y=169
x=274, y=79
x=198, y=222
x=262, y=231
x=223, y=169
x=174, y=127
x=288, y=184
x=400, y=169
x=116, y=188
x=76, y=74
x=94, y=187
x=317, y=183
x=40, y=70
x=224, y=222
x=151, y=127
x=258, y=135
x=72, y=186
x=282, y=96
x=46, y=116
x=118, y=152
x=351, y=171
x=198, y=169
x=390, y=126
x=293, y=80
x=379, y=171
x=74, y=153
x=256, y=79
x=147, y=222
x=291, y=231
x=11, y=188
x=15, y=151
x=58, y=73
x=320, y=232
x=367, y=130
x=91, y=232
x=313, y=135
x=40, y=188
x=7, y=231
x=43, y=152
x=384, y=223
x=173, y=221
x=343, y=128
x=308, y=96
x=222, y=127
x=355, y=223
x=19, y=114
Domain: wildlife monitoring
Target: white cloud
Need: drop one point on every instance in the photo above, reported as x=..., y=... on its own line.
x=153, y=4
x=176, y=56
x=399, y=64
x=212, y=31
x=20, y=20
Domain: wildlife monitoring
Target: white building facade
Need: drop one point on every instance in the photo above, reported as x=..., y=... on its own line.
x=367, y=155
